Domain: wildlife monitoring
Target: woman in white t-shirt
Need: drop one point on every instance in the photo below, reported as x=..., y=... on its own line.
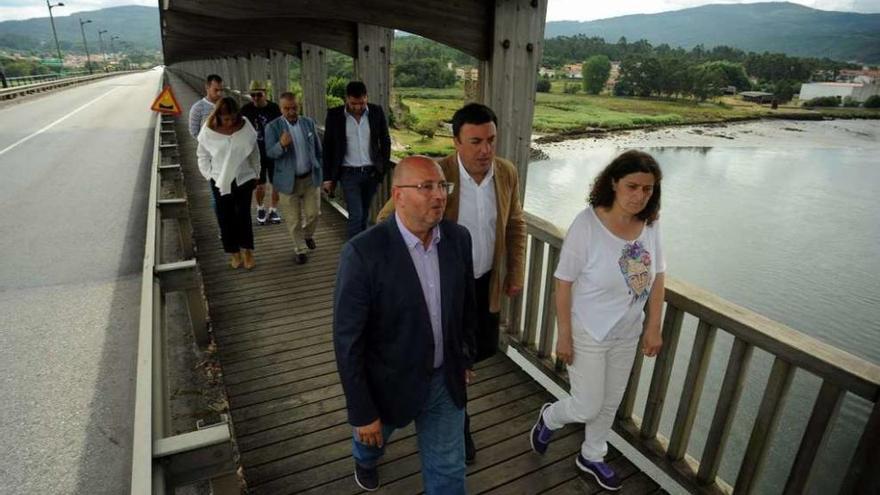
x=230, y=160
x=611, y=269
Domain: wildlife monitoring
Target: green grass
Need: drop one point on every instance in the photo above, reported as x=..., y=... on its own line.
x=559, y=113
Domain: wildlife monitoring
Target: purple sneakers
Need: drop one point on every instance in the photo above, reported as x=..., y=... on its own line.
x=541, y=434
x=605, y=476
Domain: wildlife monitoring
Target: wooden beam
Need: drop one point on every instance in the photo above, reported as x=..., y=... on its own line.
x=463, y=25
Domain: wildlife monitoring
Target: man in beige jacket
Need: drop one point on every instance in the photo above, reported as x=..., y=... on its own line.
x=485, y=200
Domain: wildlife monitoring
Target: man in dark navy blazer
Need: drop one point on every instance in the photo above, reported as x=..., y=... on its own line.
x=357, y=152
x=403, y=330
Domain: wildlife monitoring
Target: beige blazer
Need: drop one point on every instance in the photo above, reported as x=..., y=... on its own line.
x=509, y=258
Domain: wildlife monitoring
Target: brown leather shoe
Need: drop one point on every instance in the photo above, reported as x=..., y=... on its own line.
x=248, y=258
x=235, y=261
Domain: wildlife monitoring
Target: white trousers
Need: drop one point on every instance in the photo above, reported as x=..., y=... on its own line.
x=598, y=374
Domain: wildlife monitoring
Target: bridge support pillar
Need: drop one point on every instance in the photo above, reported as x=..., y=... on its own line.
x=314, y=82
x=279, y=66
x=507, y=79
x=257, y=69
x=372, y=65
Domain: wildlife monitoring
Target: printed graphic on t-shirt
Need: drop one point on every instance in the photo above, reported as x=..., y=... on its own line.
x=635, y=262
x=260, y=124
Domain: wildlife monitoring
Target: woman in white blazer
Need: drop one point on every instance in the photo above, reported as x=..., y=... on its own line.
x=230, y=159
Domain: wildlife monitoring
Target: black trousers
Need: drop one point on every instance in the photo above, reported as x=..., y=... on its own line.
x=487, y=322
x=234, y=216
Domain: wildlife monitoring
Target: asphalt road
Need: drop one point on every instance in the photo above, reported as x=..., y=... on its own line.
x=74, y=167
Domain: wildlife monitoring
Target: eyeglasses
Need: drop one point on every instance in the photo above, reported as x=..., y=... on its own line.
x=428, y=187
x=256, y=95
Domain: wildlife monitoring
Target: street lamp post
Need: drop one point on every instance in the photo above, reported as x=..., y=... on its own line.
x=101, y=41
x=114, y=37
x=86, y=45
x=55, y=33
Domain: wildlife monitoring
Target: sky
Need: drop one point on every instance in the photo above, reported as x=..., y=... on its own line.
x=557, y=10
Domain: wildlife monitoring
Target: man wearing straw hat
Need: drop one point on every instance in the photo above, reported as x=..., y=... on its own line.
x=260, y=111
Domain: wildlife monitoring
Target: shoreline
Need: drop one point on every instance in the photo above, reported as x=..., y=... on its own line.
x=602, y=132
x=759, y=133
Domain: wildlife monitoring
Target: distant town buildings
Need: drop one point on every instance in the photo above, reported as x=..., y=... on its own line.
x=573, y=71
x=857, y=91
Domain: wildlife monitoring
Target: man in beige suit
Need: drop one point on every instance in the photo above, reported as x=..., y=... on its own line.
x=486, y=201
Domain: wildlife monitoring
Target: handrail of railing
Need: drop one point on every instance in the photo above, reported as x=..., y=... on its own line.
x=840, y=372
x=21, y=90
x=160, y=460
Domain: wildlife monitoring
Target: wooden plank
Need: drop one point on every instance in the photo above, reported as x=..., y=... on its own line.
x=765, y=425
x=731, y=389
x=662, y=370
x=815, y=437
x=691, y=391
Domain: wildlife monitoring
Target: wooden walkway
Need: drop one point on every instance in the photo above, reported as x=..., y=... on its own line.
x=273, y=330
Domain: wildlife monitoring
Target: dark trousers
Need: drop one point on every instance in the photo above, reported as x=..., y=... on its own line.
x=234, y=216
x=487, y=322
x=358, y=185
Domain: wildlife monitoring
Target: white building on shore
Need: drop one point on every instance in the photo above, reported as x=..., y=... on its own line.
x=857, y=91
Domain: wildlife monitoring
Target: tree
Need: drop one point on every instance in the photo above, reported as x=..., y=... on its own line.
x=424, y=73
x=543, y=85
x=595, y=71
x=873, y=101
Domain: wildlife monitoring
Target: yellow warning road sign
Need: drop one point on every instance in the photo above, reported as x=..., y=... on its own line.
x=166, y=102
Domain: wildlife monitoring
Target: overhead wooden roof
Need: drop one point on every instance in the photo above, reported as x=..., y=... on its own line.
x=203, y=29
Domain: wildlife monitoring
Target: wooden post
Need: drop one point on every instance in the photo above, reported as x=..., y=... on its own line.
x=314, y=82
x=372, y=65
x=280, y=65
x=533, y=292
x=691, y=391
x=510, y=77
x=258, y=65
x=728, y=398
x=662, y=370
x=816, y=435
x=765, y=425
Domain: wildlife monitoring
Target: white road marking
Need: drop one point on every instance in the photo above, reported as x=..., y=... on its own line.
x=53, y=124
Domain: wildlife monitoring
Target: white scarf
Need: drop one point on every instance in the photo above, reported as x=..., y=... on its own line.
x=228, y=153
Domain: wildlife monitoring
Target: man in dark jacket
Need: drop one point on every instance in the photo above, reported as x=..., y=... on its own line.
x=403, y=330
x=357, y=152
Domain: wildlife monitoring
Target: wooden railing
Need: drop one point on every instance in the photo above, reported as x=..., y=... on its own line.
x=532, y=333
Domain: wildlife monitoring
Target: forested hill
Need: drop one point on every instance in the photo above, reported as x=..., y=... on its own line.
x=773, y=26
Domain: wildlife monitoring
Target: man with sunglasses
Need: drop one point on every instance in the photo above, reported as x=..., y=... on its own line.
x=260, y=111
x=404, y=316
x=486, y=202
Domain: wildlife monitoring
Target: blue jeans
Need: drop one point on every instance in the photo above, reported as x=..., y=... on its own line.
x=359, y=187
x=441, y=443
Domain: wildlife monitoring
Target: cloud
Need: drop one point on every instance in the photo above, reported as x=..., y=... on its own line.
x=579, y=10
x=25, y=9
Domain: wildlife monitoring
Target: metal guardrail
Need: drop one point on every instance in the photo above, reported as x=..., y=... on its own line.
x=18, y=91
x=25, y=80
x=161, y=461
